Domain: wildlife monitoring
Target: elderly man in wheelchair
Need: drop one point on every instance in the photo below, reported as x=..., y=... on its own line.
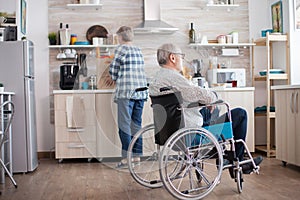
x=200, y=136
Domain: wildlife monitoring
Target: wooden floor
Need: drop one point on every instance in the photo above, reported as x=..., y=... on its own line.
x=79, y=179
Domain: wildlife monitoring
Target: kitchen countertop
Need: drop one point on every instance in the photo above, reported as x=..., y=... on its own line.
x=112, y=90
x=83, y=91
x=285, y=87
x=232, y=89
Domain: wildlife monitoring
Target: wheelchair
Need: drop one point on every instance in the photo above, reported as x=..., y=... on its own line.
x=187, y=161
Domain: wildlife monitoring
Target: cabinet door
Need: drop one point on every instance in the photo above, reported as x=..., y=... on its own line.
x=244, y=99
x=291, y=127
x=108, y=142
x=297, y=128
x=282, y=105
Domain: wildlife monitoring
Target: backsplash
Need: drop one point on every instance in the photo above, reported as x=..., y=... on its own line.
x=179, y=13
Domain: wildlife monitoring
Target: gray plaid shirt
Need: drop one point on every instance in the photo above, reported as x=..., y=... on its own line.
x=190, y=93
x=127, y=69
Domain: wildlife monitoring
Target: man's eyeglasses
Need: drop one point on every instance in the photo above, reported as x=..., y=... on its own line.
x=181, y=54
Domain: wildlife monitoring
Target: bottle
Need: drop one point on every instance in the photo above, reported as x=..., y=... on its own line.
x=192, y=34
x=58, y=34
x=65, y=36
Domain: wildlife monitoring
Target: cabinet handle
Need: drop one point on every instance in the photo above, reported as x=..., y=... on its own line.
x=75, y=146
x=291, y=103
x=296, y=103
x=75, y=129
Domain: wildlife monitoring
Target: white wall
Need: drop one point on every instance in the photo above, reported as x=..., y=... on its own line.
x=38, y=32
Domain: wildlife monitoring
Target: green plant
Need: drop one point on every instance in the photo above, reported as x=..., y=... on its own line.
x=52, y=38
x=1, y=85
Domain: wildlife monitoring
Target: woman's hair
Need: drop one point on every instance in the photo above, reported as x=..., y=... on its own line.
x=164, y=51
x=125, y=33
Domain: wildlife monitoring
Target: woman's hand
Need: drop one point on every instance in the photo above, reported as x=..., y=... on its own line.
x=109, y=82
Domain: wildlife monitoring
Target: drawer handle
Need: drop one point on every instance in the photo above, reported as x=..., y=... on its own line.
x=75, y=129
x=75, y=146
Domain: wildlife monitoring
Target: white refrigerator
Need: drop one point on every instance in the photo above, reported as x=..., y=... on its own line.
x=17, y=75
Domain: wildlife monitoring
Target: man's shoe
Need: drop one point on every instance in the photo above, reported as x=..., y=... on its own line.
x=248, y=167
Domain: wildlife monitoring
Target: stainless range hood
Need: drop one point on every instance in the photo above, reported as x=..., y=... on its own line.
x=152, y=22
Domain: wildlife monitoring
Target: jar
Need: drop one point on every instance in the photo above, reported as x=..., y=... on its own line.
x=73, y=39
x=221, y=39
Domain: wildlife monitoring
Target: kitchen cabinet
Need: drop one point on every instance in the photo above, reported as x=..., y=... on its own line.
x=75, y=126
x=242, y=97
x=108, y=142
x=269, y=78
x=287, y=103
x=99, y=137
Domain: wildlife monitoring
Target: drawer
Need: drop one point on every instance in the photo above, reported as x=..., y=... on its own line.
x=88, y=115
x=88, y=101
x=75, y=150
x=86, y=134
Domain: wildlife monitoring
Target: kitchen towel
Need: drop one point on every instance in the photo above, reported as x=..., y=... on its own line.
x=75, y=112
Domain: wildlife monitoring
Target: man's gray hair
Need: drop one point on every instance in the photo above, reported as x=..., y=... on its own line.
x=164, y=51
x=125, y=33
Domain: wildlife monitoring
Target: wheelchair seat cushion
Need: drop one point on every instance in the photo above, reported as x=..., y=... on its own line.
x=167, y=114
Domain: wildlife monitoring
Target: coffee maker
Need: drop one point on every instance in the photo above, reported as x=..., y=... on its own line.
x=69, y=76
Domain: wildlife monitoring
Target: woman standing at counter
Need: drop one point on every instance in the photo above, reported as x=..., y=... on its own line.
x=127, y=70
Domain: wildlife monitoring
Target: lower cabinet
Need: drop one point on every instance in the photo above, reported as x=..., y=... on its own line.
x=287, y=125
x=244, y=99
x=86, y=125
x=75, y=126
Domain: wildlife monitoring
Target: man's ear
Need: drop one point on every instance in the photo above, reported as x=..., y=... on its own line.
x=172, y=58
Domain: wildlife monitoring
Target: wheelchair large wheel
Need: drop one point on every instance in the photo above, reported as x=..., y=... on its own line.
x=201, y=158
x=146, y=171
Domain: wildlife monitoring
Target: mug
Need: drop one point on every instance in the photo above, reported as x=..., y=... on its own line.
x=2, y=19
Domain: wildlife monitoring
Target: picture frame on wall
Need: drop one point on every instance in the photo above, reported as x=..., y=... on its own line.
x=23, y=16
x=277, y=19
x=297, y=14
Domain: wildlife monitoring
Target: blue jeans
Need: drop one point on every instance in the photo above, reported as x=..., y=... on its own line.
x=129, y=123
x=239, y=125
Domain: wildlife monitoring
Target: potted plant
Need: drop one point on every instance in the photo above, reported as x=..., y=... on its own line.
x=52, y=38
x=1, y=87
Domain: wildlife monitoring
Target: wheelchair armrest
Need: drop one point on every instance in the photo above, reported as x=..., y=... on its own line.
x=200, y=105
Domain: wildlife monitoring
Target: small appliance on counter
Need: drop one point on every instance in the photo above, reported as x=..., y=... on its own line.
x=8, y=33
x=223, y=76
x=69, y=76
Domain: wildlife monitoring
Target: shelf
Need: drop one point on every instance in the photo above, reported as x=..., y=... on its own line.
x=264, y=114
x=217, y=45
x=229, y=7
x=84, y=6
x=263, y=148
x=272, y=38
x=272, y=77
x=82, y=46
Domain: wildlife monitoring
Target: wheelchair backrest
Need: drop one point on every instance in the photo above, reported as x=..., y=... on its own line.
x=167, y=114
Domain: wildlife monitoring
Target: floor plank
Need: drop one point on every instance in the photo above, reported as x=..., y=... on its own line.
x=80, y=180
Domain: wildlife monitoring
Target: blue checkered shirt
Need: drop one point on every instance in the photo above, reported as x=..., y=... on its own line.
x=127, y=69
